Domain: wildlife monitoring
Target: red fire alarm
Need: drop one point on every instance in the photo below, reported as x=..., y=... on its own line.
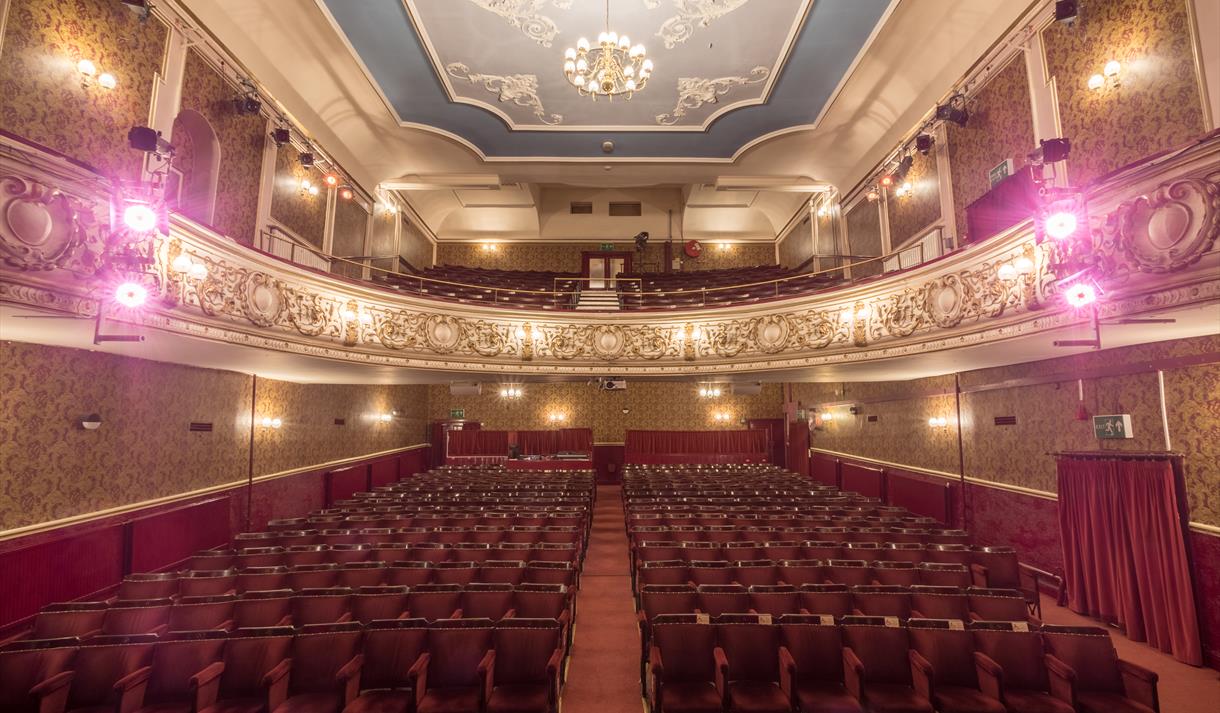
x=693, y=248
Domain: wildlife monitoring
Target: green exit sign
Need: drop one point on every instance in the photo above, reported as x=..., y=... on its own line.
x=607, y=247
x=1000, y=171
x=1113, y=426
x=457, y=414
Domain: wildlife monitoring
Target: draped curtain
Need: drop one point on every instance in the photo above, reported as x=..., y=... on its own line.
x=697, y=446
x=478, y=443
x=548, y=443
x=1124, y=550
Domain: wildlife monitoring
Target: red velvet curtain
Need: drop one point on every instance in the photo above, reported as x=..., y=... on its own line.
x=1124, y=550
x=548, y=443
x=747, y=442
x=478, y=443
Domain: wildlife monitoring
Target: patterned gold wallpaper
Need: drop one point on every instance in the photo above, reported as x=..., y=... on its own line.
x=50, y=468
x=828, y=239
x=797, y=247
x=1158, y=103
x=241, y=140
x=659, y=405
x=1001, y=126
x=732, y=255
x=915, y=211
x=41, y=97
x=1045, y=416
x=300, y=212
x=863, y=223
x=566, y=257
x=415, y=247
x=351, y=222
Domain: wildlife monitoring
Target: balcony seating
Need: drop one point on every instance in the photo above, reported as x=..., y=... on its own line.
x=811, y=660
x=453, y=677
x=686, y=673
x=943, y=668
x=526, y=666
x=324, y=669
x=698, y=288
x=522, y=289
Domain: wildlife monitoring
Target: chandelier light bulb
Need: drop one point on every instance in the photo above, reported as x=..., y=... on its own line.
x=139, y=217
x=582, y=45
x=647, y=65
x=1007, y=272
x=1096, y=82
x=86, y=67
x=569, y=53
x=1061, y=225
x=630, y=85
x=107, y=81
x=629, y=71
x=624, y=43
x=130, y=294
x=182, y=263
x=602, y=38
x=1112, y=68
x=582, y=65
x=579, y=81
x=611, y=38
x=569, y=67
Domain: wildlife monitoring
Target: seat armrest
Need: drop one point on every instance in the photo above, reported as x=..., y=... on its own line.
x=655, y=683
x=52, y=692
x=922, y=674
x=554, y=669
x=787, y=675
x=978, y=575
x=510, y=614
x=1062, y=678
x=131, y=689
x=349, y=678
x=853, y=673
x=1140, y=684
x=722, y=673
x=418, y=676
x=991, y=676
x=487, y=675
x=206, y=685
x=276, y=683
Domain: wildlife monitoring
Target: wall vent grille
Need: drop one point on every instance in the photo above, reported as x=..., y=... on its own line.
x=625, y=210
x=1005, y=420
x=201, y=426
x=581, y=208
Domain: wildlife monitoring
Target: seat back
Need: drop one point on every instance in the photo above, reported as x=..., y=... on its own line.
x=687, y=646
x=148, y=586
x=101, y=661
x=852, y=572
x=261, y=579
x=540, y=601
x=1090, y=652
x=800, y=572
x=390, y=649
x=751, y=645
x=408, y=574
x=249, y=655
x=754, y=572
x=318, y=652
x=204, y=583
x=1017, y=649
x=177, y=657
x=523, y=649
x=201, y=613
x=311, y=576
x=657, y=599
x=260, y=609
x=354, y=575
x=717, y=599
x=775, y=599
x=881, y=644
x=948, y=646
x=25, y=664
x=370, y=604
x=320, y=606
x=940, y=603
x=501, y=572
x=457, y=646
x=486, y=601
x=1002, y=568
x=997, y=604
x=882, y=600
x=899, y=573
x=941, y=574
x=143, y=616
x=829, y=599
x=455, y=572
x=57, y=621
x=434, y=602
x=816, y=645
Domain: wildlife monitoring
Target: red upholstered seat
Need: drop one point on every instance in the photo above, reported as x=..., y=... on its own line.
x=410, y=574
x=881, y=600
x=204, y=583
x=717, y=599
x=270, y=608
x=391, y=650
x=325, y=669
x=69, y=619
x=370, y=604
x=1011, y=667
x=709, y=572
x=146, y=616
x=501, y=572
x=261, y=579
x=997, y=604
x=551, y=573
x=755, y=572
x=487, y=601
x=800, y=572
x=201, y=613
x=774, y=599
x=939, y=574
x=159, y=585
x=183, y=676
x=685, y=674
x=895, y=573
x=829, y=599
x=361, y=574
x=434, y=601
x=939, y=603
x=942, y=667
x=1083, y=663
x=311, y=576
x=877, y=667
x=455, y=572
x=99, y=664
x=526, y=666
x=853, y=572
x=750, y=644
x=811, y=660
x=452, y=676
x=34, y=674
x=255, y=677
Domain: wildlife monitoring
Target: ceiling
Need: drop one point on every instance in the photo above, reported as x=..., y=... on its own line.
x=368, y=80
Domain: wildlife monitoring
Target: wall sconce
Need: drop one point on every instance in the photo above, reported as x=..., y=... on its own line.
x=91, y=422
x=511, y=392
x=308, y=188
x=557, y=417
x=709, y=392
x=724, y=247
x=1108, y=79
x=269, y=422
x=355, y=315
x=828, y=416
x=938, y=422
x=873, y=196
x=490, y=247
x=385, y=417
x=89, y=76
x=904, y=190
x=722, y=416
x=184, y=265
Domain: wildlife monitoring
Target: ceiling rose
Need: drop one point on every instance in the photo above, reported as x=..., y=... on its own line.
x=614, y=68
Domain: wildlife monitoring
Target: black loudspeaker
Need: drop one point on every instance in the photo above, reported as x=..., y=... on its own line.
x=142, y=138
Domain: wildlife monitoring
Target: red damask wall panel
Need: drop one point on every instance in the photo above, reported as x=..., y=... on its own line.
x=55, y=570
x=923, y=495
x=166, y=538
x=862, y=479
x=341, y=483
x=383, y=472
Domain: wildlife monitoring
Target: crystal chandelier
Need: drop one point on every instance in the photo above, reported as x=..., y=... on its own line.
x=615, y=67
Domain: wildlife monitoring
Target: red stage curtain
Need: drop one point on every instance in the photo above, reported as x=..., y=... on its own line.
x=478, y=443
x=1124, y=550
x=697, y=446
x=548, y=443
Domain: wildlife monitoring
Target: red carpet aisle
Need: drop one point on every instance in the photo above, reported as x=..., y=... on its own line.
x=603, y=675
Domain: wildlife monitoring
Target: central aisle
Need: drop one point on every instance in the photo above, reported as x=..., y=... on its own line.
x=603, y=674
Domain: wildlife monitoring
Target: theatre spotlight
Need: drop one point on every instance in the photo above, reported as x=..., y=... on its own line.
x=1062, y=218
x=139, y=217
x=247, y=104
x=641, y=239
x=1060, y=224
x=923, y=143
x=904, y=167
x=306, y=159
x=331, y=179
x=346, y=193
x=1080, y=294
x=1051, y=151
x=142, y=138
x=887, y=180
x=954, y=110
x=281, y=136
x=130, y=294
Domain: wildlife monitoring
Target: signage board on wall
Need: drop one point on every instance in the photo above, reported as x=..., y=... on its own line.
x=1000, y=171
x=457, y=414
x=1113, y=426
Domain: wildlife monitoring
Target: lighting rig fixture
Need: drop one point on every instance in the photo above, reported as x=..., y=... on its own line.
x=89, y=76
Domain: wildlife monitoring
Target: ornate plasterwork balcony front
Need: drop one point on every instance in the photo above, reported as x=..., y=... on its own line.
x=1156, y=229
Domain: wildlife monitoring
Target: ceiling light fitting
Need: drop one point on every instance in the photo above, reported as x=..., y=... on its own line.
x=614, y=68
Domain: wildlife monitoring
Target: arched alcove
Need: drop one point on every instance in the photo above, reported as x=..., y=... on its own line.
x=197, y=166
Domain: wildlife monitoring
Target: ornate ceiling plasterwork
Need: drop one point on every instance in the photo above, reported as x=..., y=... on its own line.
x=694, y=92
x=526, y=15
x=692, y=14
x=520, y=89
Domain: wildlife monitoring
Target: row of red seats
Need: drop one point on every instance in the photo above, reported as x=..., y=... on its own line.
x=810, y=663
x=730, y=537
x=284, y=607
x=470, y=665
x=837, y=600
x=359, y=518
x=798, y=572
x=385, y=552
x=481, y=534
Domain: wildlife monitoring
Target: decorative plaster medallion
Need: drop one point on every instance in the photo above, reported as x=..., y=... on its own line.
x=520, y=89
x=41, y=228
x=1170, y=228
x=526, y=16
x=694, y=92
x=691, y=14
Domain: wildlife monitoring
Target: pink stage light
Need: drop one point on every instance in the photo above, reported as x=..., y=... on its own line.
x=139, y=217
x=1080, y=295
x=1061, y=224
x=130, y=294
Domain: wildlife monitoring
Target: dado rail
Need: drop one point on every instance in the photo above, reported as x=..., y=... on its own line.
x=1150, y=249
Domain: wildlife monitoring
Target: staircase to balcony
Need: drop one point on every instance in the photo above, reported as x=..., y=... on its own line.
x=598, y=301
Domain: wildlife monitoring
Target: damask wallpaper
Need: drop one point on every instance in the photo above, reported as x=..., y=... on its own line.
x=300, y=212
x=1001, y=126
x=863, y=223
x=566, y=257
x=797, y=246
x=43, y=99
x=51, y=468
x=381, y=241
x=1045, y=416
x=415, y=248
x=1157, y=104
x=911, y=213
x=351, y=223
x=731, y=255
x=659, y=405
x=241, y=138
x=828, y=239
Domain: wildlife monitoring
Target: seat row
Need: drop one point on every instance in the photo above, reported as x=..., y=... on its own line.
x=795, y=539
x=356, y=518
x=464, y=666
x=799, y=572
x=809, y=663
x=485, y=534
x=915, y=529
x=384, y=552
x=309, y=606
x=837, y=600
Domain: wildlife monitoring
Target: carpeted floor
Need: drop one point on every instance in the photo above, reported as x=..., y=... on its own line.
x=603, y=674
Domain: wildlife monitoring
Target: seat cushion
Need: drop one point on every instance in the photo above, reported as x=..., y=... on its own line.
x=519, y=698
x=457, y=699
x=382, y=700
x=826, y=697
x=690, y=697
x=177, y=707
x=1098, y=702
x=1027, y=701
x=958, y=699
x=757, y=697
x=238, y=705
x=894, y=698
x=322, y=702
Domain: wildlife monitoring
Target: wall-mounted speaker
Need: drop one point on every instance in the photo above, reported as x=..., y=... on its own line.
x=751, y=389
x=465, y=388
